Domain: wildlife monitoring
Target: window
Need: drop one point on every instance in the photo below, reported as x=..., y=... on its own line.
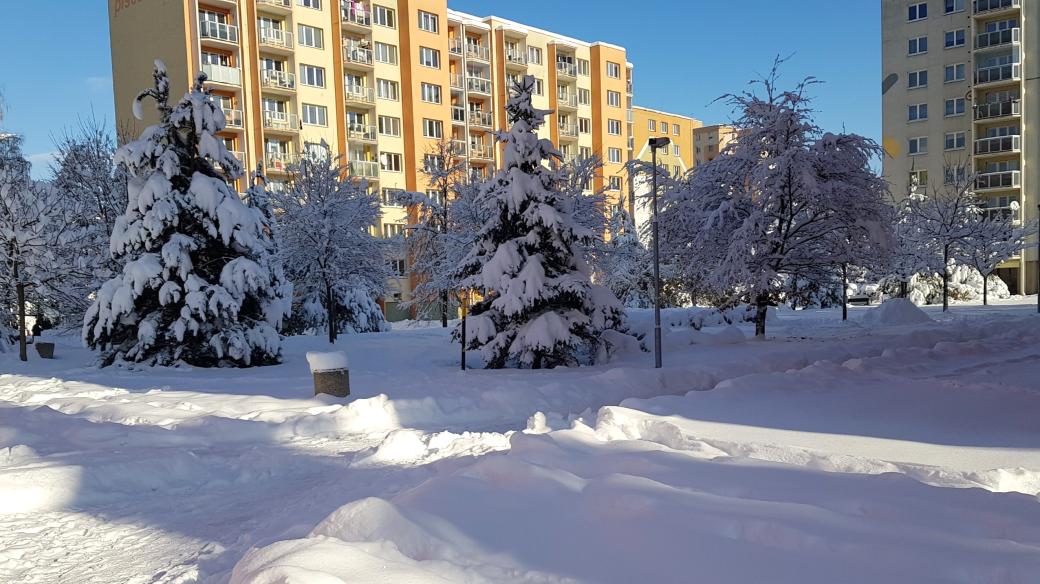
x=955, y=141
x=428, y=21
x=675, y=129
x=918, y=146
x=584, y=96
x=429, y=57
x=315, y=4
x=387, y=89
x=952, y=6
x=385, y=53
x=615, y=183
x=918, y=46
x=955, y=175
x=313, y=76
x=392, y=230
x=664, y=126
x=534, y=55
x=584, y=152
x=432, y=128
x=389, y=126
x=433, y=163
x=917, y=79
x=613, y=98
x=430, y=93
x=384, y=16
x=316, y=151
x=954, y=73
x=917, y=12
x=955, y=38
x=652, y=125
x=918, y=111
x=614, y=127
x=315, y=115
x=539, y=87
x=613, y=70
x=391, y=197
x=311, y=37
x=216, y=59
x=583, y=67
x=954, y=107
x=398, y=267
x=390, y=162
x=614, y=155
x=585, y=125
x=918, y=178
x=676, y=150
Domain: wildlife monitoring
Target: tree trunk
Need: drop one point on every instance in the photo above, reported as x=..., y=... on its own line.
x=794, y=293
x=22, y=351
x=761, y=309
x=463, y=333
x=844, y=292
x=444, y=309
x=330, y=310
x=904, y=286
x=946, y=279
x=985, y=289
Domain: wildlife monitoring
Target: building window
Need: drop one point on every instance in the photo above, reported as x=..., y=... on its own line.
x=389, y=126
x=955, y=141
x=675, y=130
x=315, y=115
x=391, y=197
x=390, y=162
x=429, y=57
x=384, y=16
x=585, y=125
x=614, y=155
x=313, y=76
x=311, y=37
x=432, y=128
x=955, y=38
x=917, y=79
x=918, y=112
x=613, y=98
x=428, y=22
x=386, y=89
x=430, y=93
x=385, y=53
x=615, y=183
x=539, y=87
x=315, y=4
x=917, y=11
x=613, y=70
x=534, y=55
x=955, y=175
x=676, y=150
x=952, y=6
x=651, y=125
x=954, y=73
x=392, y=230
x=955, y=107
x=614, y=127
x=918, y=46
x=918, y=178
x=918, y=146
x=316, y=151
x=664, y=126
x=584, y=96
x=583, y=67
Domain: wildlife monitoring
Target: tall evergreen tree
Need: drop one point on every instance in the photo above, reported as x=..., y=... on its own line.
x=198, y=283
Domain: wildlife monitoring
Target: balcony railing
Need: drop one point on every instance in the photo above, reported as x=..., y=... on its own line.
x=481, y=151
x=568, y=130
x=567, y=99
x=566, y=69
x=982, y=6
x=365, y=132
x=478, y=51
x=516, y=58
x=1008, y=179
x=455, y=46
x=479, y=85
x=1007, y=72
x=280, y=161
x=357, y=54
x=276, y=3
x=284, y=121
x=276, y=79
x=354, y=13
x=358, y=93
x=233, y=118
x=457, y=81
x=458, y=114
x=480, y=118
x=458, y=147
x=222, y=74
x=998, y=144
x=998, y=109
x=364, y=168
x=998, y=38
x=218, y=30
x=276, y=37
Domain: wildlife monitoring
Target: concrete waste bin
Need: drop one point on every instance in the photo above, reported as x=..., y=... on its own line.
x=44, y=350
x=331, y=373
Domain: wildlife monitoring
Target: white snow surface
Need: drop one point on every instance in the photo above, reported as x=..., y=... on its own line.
x=895, y=312
x=832, y=452
x=327, y=361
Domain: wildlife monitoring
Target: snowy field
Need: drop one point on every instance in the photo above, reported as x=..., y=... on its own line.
x=833, y=452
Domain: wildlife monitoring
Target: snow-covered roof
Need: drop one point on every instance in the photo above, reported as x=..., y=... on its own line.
x=520, y=28
x=653, y=111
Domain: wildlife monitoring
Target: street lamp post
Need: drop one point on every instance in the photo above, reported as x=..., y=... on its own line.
x=1037, y=259
x=656, y=143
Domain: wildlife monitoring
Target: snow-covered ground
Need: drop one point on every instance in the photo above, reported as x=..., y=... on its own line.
x=830, y=453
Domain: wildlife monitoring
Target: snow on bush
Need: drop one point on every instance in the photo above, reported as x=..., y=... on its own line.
x=965, y=284
x=894, y=312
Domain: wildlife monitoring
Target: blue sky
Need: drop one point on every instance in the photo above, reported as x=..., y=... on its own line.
x=686, y=53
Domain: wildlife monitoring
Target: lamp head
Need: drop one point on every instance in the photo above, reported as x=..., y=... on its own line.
x=659, y=142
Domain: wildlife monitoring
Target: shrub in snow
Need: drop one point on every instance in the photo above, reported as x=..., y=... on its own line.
x=199, y=283
x=893, y=312
x=540, y=308
x=964, y=284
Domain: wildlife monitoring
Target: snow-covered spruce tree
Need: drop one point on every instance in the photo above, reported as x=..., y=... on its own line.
x=768, y=206
x=587, y=205
x=198, y=283
x=540, y=308
x=336, y=265
x=996, y=239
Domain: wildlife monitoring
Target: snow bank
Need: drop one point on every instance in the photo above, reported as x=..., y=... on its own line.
x=895, y=312
x=332, y=361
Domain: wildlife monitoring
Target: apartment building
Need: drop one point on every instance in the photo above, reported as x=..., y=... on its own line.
x=960, y=95
x=709, y=141
x=378, y=83
x=678, y=157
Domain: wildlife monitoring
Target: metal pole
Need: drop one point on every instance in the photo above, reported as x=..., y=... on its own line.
x=657, y=268
x=1037, y=259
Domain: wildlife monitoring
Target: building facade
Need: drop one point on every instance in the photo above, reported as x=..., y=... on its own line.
x=677, y=158
x=961, y=96
x=378, y=83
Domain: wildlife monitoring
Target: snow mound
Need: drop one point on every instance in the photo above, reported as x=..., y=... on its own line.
x=730, y=335
x=895, y=311
x=332, y=361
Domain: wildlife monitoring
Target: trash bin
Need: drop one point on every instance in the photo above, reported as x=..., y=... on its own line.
x=331, y=373
x=45, y=350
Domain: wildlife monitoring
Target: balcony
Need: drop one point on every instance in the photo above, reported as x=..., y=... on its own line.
x=998, y=74
x=222, y=74
x=998, y=38
x=361, y=132
x=458, y=147
x=279, y=6
x=481, y=151
x=516, y=59
x=455, y=47
x=457, y=81
x=567, y=100
x=565, y=69
x=481, y=119
x=478, y=51
x=281, y=162
x=364, y=168
x=354, y=15
x=276, y=38
x=355, y=54
x=989, y=7
x=458, y=114
x=218, y=31
x=1008, y=179
x=568, y=130
x=998, y=145
x=358, y=94
x=281, y=121
x=479, y=85
x=1000, y=109
x=275, y=79
x=233, y=118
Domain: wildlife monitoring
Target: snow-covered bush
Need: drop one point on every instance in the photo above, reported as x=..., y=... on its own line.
x=198, y=283
x=624, y=265
x=965, y=285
